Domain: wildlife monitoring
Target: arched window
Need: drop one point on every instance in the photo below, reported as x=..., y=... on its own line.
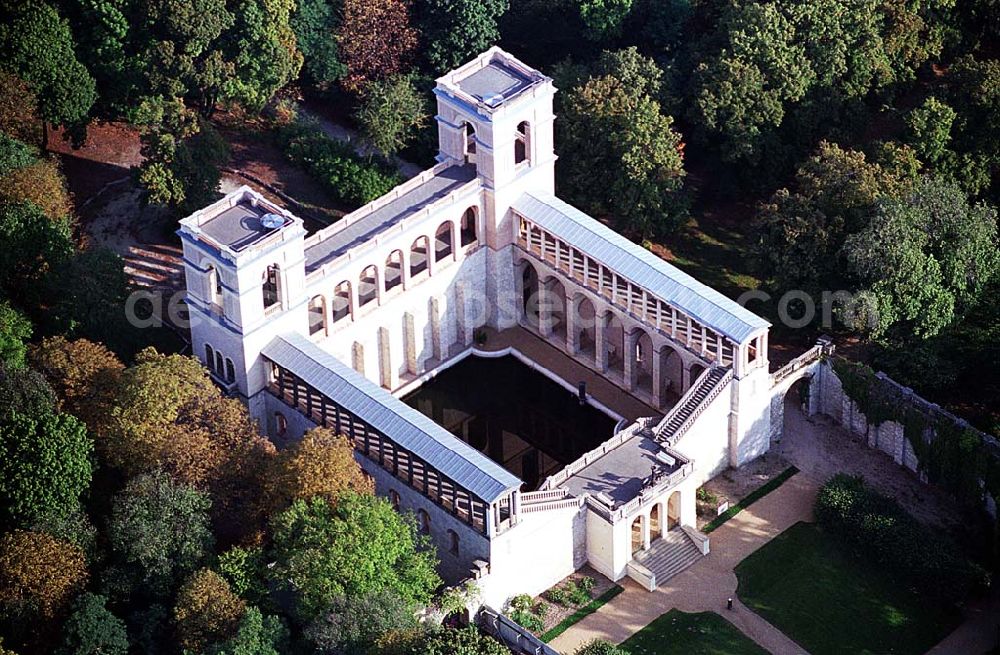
x=453, y=542
x=468, y=231
x=367, y=285
x=522, y=143
x=394, y=499
x=230, y=371
x=317, y=315
x=342, y=301
x=209, y=357
x=394, y=269
x=418, y=256
x=214, y=285
x=424, y=521
x=470, y=142
x=280, y=424
x=270, y=286
x=442, y=241
x=219, y=364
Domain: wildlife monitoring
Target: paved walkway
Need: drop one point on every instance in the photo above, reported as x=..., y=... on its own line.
x=707, y=584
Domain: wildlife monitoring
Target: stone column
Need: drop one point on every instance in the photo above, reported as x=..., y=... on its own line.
x=435, y=312
x=657, y=377
x=358, y=357
x=465, y=330
x=388, y=376
x=685, y=377
x=410, y=343
x=431, y=250
x=404, y=268
x=572, y=331
x=645, y=532
x=600, y=342
x=545, y=309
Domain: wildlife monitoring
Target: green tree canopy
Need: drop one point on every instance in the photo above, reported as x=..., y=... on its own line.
x=257, y=634
x=391, y=112
x=315, y=23
x=362, y=545
x=26, y=392
x=457, y=641
x=455, y=31
x=604, y=19
x=351, y=624
x=44, y=466
x=33, y=245
x=263, y=50
x=612, y=124
x=92, y=629
x=924, y=256
x=15, y=154
x=930, y=129
x=37, y=44
x=159, y=532
x=207, y=611
x=15, y=330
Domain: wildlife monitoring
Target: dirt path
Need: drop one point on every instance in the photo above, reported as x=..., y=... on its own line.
x=707, y=584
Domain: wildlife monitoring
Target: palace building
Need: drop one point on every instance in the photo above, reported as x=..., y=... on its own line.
x=477, y=257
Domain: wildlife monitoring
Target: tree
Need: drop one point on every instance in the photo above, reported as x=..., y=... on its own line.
x=15, y=154
x=930, y=128
x=38, y=46
x=159, y=532
x=351, y=624
x=44, y=466
x=84, y=374
x=974, y=92
x=33, y=245
x=257, y=634
x=604, y=19
x=15, y=330
x=611, y=123
x=391, y=112
x=924, y=256
x=361, y=545
x=801, y=230
x=206, y=611
x=18, y=110
x=320, y=464
x=26, y=392
x=455, y=31
x=458, y=641
x=39, y=575
x=376, y=40
x=315, y=22
x=92, y=629
x=244, y=570
x=740, y=93
x=262, y=48
x=90, y=292
x=42, y=184
x=600, y=647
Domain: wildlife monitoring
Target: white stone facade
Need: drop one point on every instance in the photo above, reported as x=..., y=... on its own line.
x=397, y=289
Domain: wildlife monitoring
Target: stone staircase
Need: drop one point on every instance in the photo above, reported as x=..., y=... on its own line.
x=679, y=419
x=669, y=556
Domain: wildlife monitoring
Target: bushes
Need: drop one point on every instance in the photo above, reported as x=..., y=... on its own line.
x=526, y=613
x=876, y=528
x=351, y=178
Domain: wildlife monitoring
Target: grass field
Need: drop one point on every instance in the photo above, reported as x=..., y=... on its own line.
x=679, y=633
x=833, y=604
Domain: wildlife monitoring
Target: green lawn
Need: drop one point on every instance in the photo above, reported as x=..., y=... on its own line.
x=831, y=603
x=679, y=633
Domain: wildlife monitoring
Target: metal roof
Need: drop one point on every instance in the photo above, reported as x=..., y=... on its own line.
x=452, y=457
x=349, y=234
x=697, y=300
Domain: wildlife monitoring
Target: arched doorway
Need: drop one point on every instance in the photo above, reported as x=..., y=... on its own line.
x=655, y=522
x=529, y=294
x=643, y=360
x=614, y=341
x=394, y=269
x=671, y=375
x=368, y=285
x=468, y=228
x=696, y=371
x=585, y=322
x=552, y=303
x=418, y=256
x=443, y=241
x=637, y=539
x=674, y=510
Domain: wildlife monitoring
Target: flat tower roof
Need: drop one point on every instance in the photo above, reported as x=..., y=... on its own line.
x=240, y=225
x=490, y=80
x=495, y=80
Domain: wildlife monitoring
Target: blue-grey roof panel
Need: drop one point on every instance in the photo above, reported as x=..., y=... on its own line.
x=407, y=427
x=699, y=301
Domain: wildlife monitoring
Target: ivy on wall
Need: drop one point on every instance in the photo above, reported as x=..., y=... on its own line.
x=953, y=455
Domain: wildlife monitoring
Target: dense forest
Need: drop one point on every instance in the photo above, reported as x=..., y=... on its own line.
x=842, y=150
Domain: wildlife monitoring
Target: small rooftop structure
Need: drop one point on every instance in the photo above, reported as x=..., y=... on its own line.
x=242, y=219
x=360, y=226
x=491, y=79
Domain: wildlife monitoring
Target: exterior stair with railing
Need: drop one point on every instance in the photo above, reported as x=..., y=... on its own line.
x=667, y=557
x=693, y=403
